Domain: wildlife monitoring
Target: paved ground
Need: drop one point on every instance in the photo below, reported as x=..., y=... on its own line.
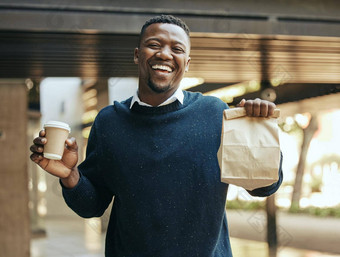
x=69, y=237
x=318, y=237
x=294, y=230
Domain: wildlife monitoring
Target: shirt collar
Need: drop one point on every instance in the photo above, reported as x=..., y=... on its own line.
x=178, y=95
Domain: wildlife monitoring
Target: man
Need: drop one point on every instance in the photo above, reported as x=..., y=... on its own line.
x=156, y=154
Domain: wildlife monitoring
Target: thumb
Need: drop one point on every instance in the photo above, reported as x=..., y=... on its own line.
x=242, y=103
x=71, y=144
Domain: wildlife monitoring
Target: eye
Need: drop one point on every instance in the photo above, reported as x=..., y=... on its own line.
x=178, y=49
x=154, y=45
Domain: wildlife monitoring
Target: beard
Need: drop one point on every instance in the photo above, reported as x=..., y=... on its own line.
x=158, y=88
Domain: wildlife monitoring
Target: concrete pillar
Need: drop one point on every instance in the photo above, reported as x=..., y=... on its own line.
x=14, y=214
x=34, y=178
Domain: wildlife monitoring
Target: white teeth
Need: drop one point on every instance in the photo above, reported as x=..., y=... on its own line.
x=161, y=67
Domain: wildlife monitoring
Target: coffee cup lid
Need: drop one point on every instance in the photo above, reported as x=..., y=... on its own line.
x=57, y=124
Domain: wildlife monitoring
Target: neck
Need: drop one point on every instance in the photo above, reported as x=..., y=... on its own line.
x=154, y=98
x=157, y=110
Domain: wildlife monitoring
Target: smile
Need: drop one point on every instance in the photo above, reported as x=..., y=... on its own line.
x=162, y=68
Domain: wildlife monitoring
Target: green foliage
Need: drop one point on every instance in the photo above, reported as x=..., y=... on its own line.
x=327, y=159
x=246, y=205
x=294, y=208
x=317, y=211
x=292, y=129
x=316, y=184
x=260, y=205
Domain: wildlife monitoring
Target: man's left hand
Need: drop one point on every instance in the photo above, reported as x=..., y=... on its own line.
x=257, y=107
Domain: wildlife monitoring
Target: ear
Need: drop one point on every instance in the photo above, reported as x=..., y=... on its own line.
x=187, y=65
x=135, y=58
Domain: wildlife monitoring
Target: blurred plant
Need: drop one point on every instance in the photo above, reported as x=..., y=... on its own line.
x=305, y=124
x=316, y=184
x=245, y=205
x=317, y=211
x=260, y=205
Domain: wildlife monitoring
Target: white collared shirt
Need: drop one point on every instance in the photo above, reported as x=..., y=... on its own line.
x=178, y=95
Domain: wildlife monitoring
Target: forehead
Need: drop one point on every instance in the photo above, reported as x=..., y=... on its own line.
x=166, y=31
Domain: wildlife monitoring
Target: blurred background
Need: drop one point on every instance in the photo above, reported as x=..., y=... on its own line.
x=68, y=59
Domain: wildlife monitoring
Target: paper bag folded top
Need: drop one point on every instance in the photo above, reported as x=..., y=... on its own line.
x=249, y=155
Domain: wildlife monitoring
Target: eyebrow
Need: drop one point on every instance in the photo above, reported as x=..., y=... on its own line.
x=159, y=40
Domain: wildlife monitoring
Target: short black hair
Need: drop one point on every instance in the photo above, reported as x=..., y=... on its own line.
x=170, y=19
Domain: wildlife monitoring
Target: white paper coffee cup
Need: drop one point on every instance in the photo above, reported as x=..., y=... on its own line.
x=56, y=134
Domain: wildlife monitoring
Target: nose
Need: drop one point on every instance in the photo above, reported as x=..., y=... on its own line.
x=165, y=53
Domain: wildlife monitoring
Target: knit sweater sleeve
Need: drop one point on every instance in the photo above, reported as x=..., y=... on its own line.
x=271, y=189
x=90, y=197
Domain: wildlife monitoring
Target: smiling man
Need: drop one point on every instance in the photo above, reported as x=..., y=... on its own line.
x=162, y=58
x=156, y=154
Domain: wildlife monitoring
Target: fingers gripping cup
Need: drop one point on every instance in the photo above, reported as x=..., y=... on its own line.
x=56, y=134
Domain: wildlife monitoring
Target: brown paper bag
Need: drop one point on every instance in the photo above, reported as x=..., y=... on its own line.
x=249, y=154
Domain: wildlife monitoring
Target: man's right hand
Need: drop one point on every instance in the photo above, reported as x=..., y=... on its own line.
x=64, y=168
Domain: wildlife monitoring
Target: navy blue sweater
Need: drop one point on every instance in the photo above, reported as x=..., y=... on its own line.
x=160, y=164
